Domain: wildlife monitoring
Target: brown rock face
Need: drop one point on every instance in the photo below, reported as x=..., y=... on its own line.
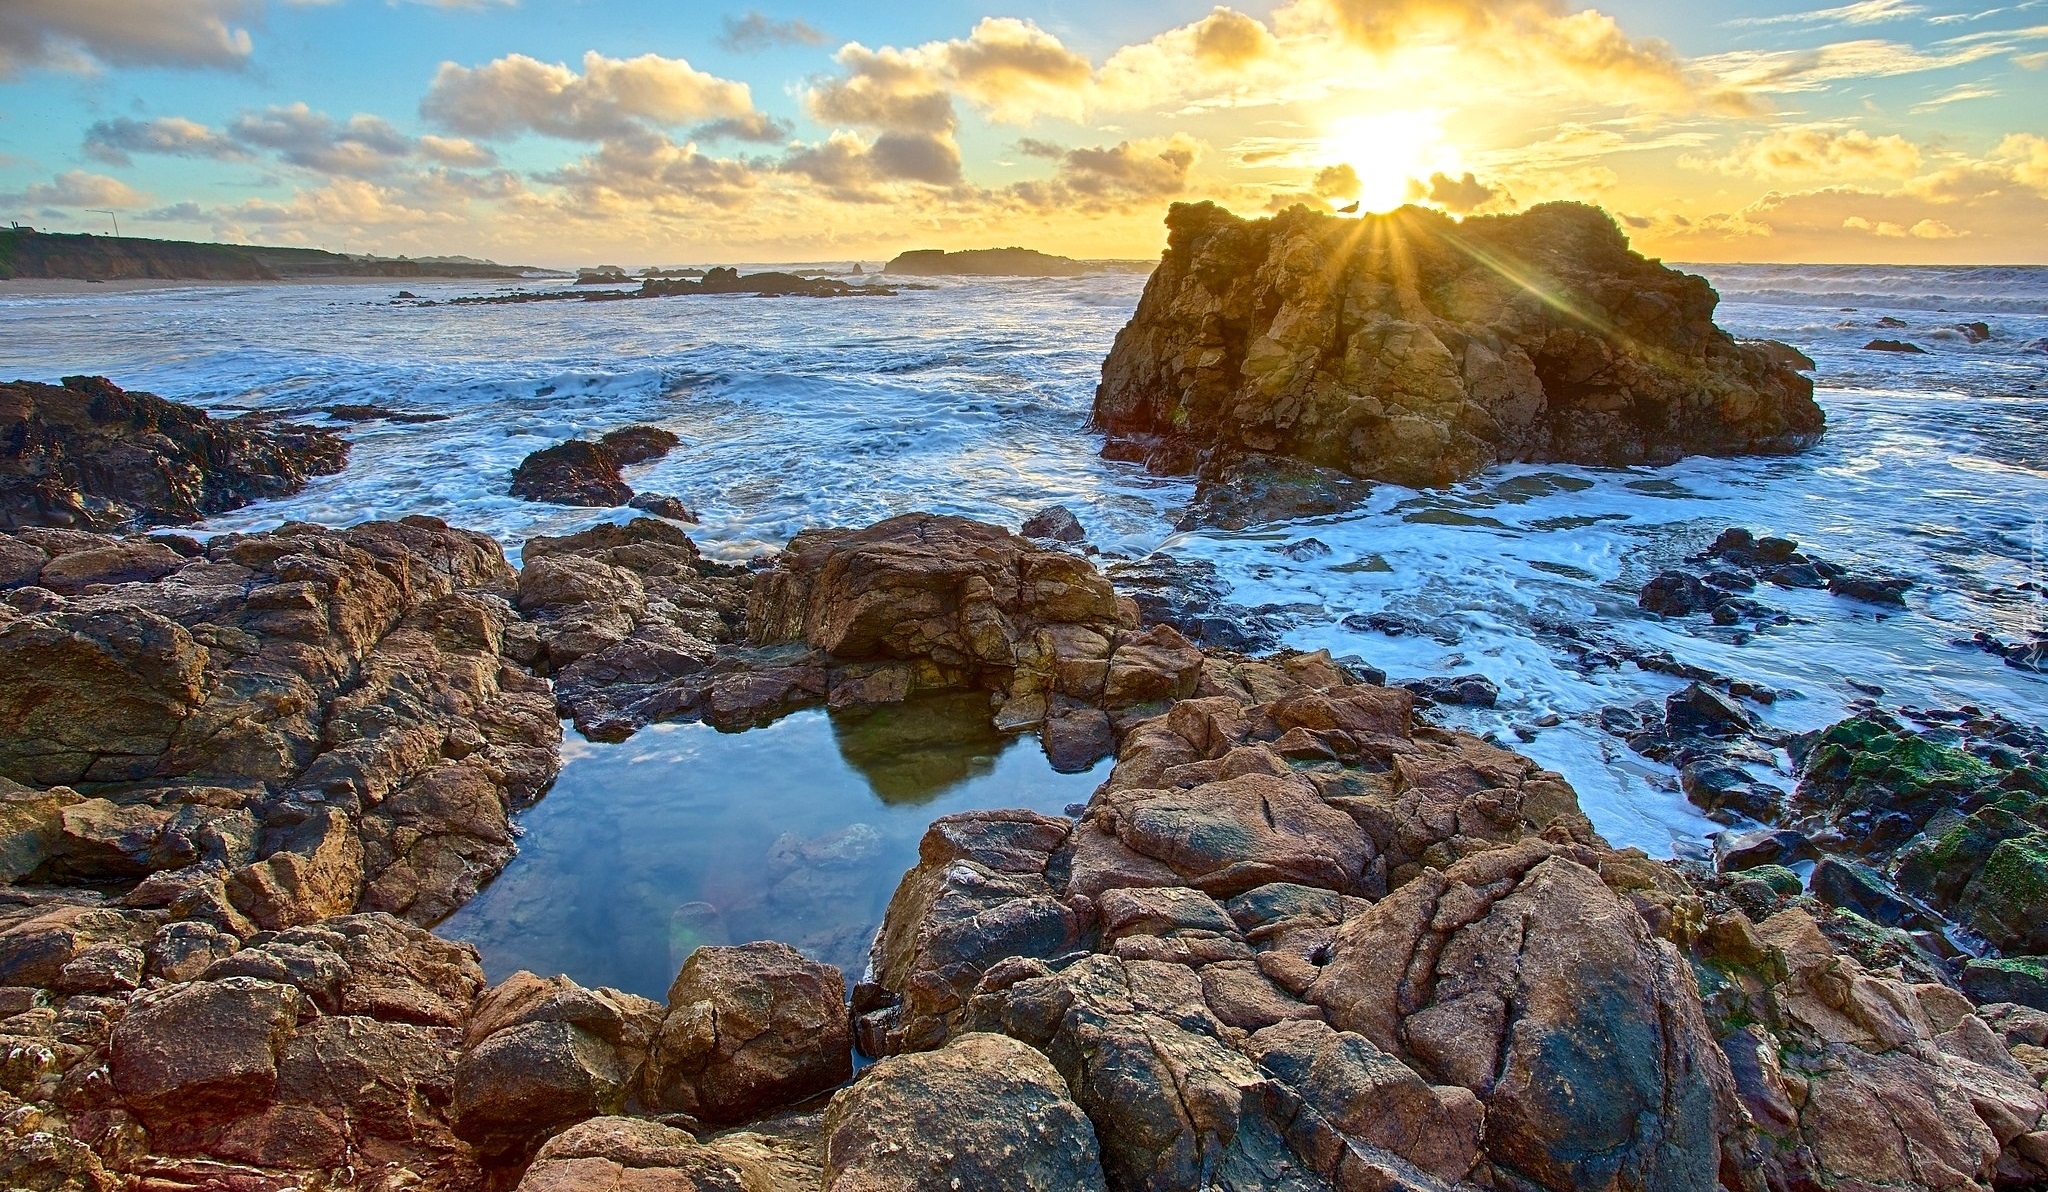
x=280, y=728
x=91, y=456
x=1419, y=350
x=750, y=1028
x=985, y=1111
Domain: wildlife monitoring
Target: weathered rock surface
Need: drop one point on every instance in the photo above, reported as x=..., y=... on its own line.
x=623, y=1154
x=748, y=1029
x=1416, y=349
x=983, y=1112
x=91, y=456
x=286, y=726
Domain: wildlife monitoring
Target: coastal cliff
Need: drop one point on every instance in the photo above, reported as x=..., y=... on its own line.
x=1417, y=349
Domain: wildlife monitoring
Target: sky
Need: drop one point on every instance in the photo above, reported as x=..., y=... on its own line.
x=669, y=132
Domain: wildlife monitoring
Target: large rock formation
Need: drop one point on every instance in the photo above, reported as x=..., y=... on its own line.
x=91, y=456
x=273, y=728
x=1417, y=349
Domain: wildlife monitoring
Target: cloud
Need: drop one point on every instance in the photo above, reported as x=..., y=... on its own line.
x=612, y=97
x=1926, y=229
x=1117, y=177
x=853, y=169
x=1034, y=147
x=2027, y=156
x=1863, y=12
x=1012, y=70
x=456, y=151
x=754, y=33
x=1769, y=71
x=78, y=189
x=1460, y=196
x=1815, y=151
x=113, y=141
x=753, y=126
x=1336, y=182
x=1219, y=50
x=364, y=146
x=1956, y=94
x=185, y=212
x=651, y=167
x=83, y=35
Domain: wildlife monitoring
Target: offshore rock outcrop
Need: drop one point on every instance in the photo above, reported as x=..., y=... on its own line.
x=1419, y=350
x=88, y=455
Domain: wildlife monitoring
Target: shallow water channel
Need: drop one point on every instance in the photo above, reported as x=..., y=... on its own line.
x=797, y=832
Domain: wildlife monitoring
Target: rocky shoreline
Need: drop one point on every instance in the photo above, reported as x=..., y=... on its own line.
x=1299, y=939
x=1304, y=937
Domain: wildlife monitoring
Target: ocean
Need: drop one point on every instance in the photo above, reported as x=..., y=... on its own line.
x=972, y=397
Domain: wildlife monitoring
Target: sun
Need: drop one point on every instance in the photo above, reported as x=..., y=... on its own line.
x=1388, y=151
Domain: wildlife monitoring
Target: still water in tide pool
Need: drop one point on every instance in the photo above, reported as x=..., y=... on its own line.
x=796, y=832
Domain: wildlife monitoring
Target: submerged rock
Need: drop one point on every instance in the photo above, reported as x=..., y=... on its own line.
x=1420, y=350
x=91, y=456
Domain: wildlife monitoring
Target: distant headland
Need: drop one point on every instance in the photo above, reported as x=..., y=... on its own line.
x=1001, y=262
x=29, y=254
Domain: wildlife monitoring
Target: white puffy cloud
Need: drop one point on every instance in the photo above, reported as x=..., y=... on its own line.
x=1815, y=151
x=78, y=189
x=612, y=97
x=114, y=141
x=86, y=34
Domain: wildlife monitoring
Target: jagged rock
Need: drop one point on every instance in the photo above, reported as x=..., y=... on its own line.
x=2018, y=979
x=91, y=456
x=1237, y=492
x=639, y=444
x=1299, y=336
x=30, y=826
x=289, y=725
x=528, y=1080
x=1519, y=975
x=985, y=1111
x=750, y=1028
x=661, y=505
x=1056, y=522
x=207, y=1049
x=1475, y=691
x=577, y=472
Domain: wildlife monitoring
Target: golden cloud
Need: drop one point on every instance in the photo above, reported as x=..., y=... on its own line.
x=612, y=97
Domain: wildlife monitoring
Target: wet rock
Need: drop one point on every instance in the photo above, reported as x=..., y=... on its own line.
x=1238, y=491
x=1188, y=595
x=1472, y=691
x=985, y=1111
x=2019, y=979
x=1857, y=888
x=577, y=472
x=639, y=444
x=1056, y=523
x=1719, y=786
x=1737, y=851
x=1701, y=711
x=1975, y=333
x=663, y=506
x=748, y=1029
x=1871, y=589
x=91, y=456
x=1239, y=346
x=1894, y=345
x=1676, y=594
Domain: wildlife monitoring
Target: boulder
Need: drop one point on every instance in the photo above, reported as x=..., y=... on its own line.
x=636, y=1155
x=749, y=1029
x=528, y=1080
x=639, y=444
x=577, y=472
x=90, y=456
x=1518, y=975
x=1056, y=523
x=1306, y=336
x=985, y=1112
x=206, y=1050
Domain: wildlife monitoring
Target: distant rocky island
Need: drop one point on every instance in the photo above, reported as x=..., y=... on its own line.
x=985, y=262
x=1417, y=349
x=26, y=253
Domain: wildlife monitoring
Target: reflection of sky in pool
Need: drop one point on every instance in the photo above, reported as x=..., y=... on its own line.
x=796, y=832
